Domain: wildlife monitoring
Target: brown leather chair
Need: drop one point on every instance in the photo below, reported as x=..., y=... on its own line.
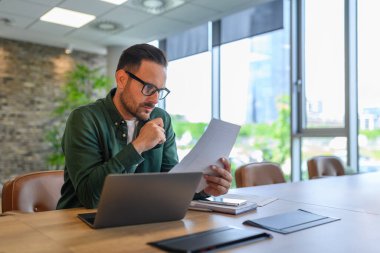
x=32, y=192
x=254, y=174
x=322, y=166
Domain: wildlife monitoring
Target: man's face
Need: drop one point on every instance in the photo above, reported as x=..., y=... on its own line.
x=136, y=104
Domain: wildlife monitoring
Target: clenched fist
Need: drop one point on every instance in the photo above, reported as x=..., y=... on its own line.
x=151, y=134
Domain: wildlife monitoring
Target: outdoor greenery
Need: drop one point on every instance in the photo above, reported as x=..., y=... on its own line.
x=371, y=134
x=83, y=85
x=272, y=139
x=182, y=126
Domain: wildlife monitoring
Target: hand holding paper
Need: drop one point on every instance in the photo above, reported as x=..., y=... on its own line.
x=219, y=183
x=216, y=142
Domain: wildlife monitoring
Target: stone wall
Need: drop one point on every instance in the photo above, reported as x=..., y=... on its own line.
x=31, y=78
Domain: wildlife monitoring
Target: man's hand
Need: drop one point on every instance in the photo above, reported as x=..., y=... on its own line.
x=219, y=185
x=151, y=134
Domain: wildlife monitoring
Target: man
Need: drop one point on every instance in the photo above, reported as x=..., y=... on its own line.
x=125, y=133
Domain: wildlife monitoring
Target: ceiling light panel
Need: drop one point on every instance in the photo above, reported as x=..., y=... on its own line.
x=67, y=17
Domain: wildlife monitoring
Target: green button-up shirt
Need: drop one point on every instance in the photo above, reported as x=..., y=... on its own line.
x=95, y=145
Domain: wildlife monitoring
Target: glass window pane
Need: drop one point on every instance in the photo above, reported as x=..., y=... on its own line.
x=255, y=94
x=324, y=63
x=189, y=102
x=368, y=84
x=317, y=146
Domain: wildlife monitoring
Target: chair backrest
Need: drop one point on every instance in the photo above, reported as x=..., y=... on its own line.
x=254, y=174
x=32, y=192
x=321, y=166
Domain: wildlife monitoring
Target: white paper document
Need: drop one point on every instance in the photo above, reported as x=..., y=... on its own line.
x=216, y=142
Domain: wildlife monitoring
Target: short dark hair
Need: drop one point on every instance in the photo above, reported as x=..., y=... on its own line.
x=132, y=56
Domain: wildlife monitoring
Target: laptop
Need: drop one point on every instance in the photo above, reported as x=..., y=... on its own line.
x=131, y=199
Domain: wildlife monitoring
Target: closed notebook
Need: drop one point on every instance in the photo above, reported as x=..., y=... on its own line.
x=204, y=206
x=219, y=238
x=290, y=222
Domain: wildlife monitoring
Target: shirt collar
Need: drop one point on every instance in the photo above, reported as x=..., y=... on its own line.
x=111, y=108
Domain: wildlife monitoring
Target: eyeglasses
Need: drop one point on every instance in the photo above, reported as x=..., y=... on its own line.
x=149, y=89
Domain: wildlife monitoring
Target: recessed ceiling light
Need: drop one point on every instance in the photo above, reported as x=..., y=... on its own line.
x=117, y=2
x=106, y=26
x=153, y=3
x=67, y=17
x=155, y=6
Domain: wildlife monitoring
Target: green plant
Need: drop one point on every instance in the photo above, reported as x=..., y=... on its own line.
x=83, y=85
x=181, y=126
x=371, y=134
x=272, y=139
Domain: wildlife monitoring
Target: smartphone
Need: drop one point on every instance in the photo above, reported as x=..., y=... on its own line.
x=224, y=201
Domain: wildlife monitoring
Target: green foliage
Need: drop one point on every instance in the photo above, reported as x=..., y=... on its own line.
x=181, y=126
x=281, y=131
x=83, y=86
x=371, y=134
x=376, y=154
x=272, y=139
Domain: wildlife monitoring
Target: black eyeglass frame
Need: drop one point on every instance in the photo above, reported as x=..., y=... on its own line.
x=159, y=90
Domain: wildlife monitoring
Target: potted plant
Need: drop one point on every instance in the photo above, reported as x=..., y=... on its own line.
x=84, y=85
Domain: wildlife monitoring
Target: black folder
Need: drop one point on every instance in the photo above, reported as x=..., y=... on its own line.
x=210, y=240
x=290, y=222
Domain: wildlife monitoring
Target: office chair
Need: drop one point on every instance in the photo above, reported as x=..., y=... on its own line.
x=322, y=166
x=32, y=192
x=254, y=174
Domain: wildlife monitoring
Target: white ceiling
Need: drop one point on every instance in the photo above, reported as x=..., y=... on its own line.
x=137, y=26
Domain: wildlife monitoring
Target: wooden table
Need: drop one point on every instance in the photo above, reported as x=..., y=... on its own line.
x=351, y=200
x=360, y=192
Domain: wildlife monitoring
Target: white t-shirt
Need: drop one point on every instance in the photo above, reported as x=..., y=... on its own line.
x=131, y=124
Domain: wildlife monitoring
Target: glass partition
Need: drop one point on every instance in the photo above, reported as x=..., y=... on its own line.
x=189, y=102
x=368, y=85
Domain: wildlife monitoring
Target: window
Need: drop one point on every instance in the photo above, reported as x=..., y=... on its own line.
x=324, y=64
x=189, y=102
x=255, y=94
x=320, y=119
x=368, y=82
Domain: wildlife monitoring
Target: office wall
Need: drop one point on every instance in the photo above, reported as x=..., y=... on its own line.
x=31, y=78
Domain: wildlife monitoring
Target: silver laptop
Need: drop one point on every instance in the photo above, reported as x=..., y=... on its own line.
x=131, y=199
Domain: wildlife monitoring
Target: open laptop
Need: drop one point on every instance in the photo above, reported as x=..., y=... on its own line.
x=131, y=199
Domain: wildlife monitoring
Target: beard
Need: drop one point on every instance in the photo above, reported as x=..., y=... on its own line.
x=138, y=111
